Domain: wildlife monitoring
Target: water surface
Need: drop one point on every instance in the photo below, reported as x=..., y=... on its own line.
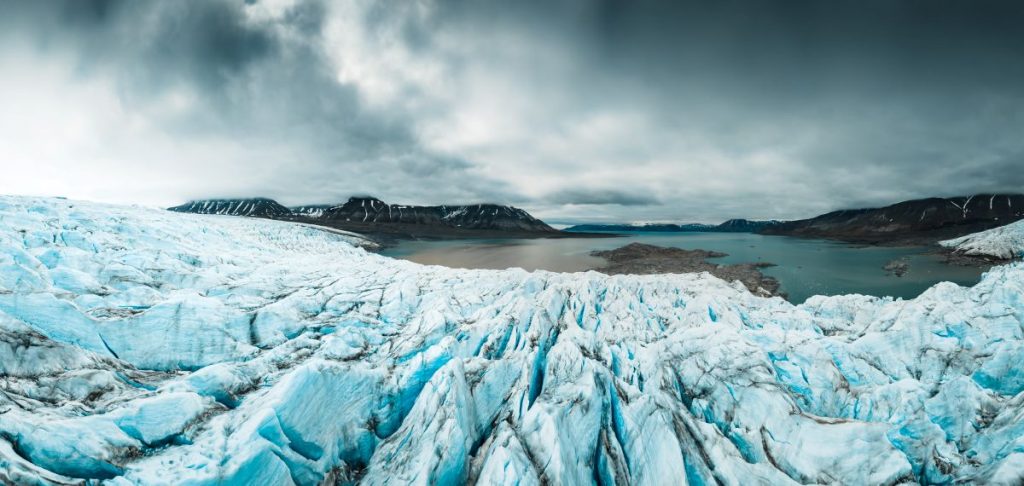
x=805, y=267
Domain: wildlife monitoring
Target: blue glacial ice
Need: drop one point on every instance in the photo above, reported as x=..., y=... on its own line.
x=139, y=346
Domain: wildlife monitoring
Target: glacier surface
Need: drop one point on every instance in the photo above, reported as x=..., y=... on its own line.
x=1003, y=242
x=140, y=346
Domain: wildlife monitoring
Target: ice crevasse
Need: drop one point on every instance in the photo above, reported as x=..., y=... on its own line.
x=139, y=346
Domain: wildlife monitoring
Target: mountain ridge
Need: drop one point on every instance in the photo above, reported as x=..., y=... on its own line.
x=258, y=207
x=730, y=226
x=915, y=221
x=370, y=215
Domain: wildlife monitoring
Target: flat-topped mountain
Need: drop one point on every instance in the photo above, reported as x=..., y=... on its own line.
x=476, y=216
x=372, y=216
x=258, y=207
x=730, y=226
x=915, y=221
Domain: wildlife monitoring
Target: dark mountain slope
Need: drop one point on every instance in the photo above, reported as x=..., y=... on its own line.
x=744, y=226
x=375, y=218
x=257, y=207
x=477, y=216
x=911, y=222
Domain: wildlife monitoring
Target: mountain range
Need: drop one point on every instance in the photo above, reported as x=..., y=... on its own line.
x=372, y=216
x=257, y=207
x=912, y=222
x=919, y=221
x=730, y=226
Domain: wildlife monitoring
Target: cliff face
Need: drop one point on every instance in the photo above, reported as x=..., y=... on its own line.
x=917, y=221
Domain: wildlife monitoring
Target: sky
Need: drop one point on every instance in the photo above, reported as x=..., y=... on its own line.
x=578, y=111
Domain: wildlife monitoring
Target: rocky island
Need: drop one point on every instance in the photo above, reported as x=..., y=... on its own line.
x=643, y=259
x=897, y=267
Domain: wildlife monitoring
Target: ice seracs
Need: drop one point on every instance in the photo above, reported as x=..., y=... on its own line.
x=1004, y=242
x=140, y=346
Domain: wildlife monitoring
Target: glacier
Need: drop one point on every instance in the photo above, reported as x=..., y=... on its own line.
x=1003, y=242
x=140, y=346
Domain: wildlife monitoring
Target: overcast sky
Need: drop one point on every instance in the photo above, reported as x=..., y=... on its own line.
x=576, y=110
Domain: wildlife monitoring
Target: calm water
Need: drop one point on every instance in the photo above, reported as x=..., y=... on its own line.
x=805, y=267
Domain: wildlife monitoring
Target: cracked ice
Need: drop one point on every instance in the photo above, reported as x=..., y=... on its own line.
x=139, y=346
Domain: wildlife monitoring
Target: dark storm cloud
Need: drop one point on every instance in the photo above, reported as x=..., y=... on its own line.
x=208, y=47
x=777, y=53
x=203, y=42
x=251, y=82
x=597, y=110
x=858, y=103
x=601, y=197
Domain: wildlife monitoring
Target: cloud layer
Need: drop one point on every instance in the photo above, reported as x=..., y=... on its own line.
x=577, y=111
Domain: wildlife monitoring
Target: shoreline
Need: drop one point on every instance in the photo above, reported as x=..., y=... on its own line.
x=391, y=234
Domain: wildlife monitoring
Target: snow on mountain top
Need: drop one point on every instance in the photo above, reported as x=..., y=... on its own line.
x=146, y=347
x=1004, y=242
x=258, y=207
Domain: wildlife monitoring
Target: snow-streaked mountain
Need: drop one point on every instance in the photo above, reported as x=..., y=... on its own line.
x=474, y=216
x=363, y=211
x=259, y=207
x=920, y=220
x=141, y=346
x=1004, y=242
